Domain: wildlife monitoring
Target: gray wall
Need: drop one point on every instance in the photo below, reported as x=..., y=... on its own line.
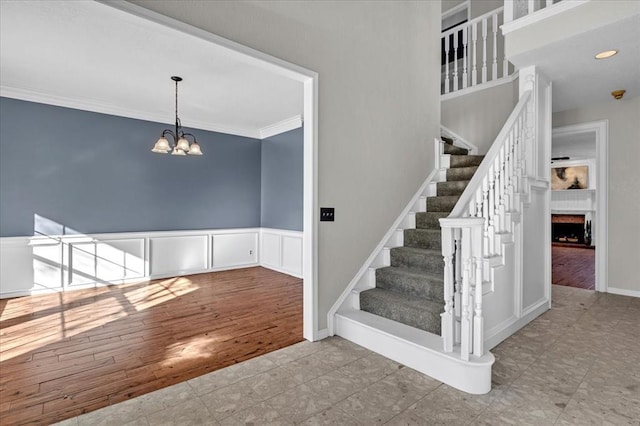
x=624, y=183
x=378, y=99
x=282, y=174
x=95, y=173
x=478, y=117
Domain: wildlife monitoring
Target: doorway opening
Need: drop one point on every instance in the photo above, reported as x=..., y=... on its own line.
x=579, y=205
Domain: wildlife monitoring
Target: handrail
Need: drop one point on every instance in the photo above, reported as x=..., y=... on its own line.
x=471, y=22
x=476, y=181
x=471, y=233
x=473, y=149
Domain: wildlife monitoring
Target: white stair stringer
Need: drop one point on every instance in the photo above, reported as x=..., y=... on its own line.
x=417, y=349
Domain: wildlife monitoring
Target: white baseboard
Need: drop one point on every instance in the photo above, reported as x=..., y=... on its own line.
x=623, y=291
x=48, y=264
x=416, y=349
x=497, y=334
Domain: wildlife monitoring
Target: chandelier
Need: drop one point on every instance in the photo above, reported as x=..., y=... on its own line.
x=180, y=144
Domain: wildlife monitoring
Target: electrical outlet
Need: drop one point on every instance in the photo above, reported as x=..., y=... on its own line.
x=327, y=214
x=250, y=251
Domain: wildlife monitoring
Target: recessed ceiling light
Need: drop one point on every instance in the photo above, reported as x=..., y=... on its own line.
x=606, y=54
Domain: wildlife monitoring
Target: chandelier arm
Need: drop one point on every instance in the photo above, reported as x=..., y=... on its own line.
x=189, y=134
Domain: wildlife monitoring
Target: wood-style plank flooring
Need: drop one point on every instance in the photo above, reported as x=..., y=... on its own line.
x=68, y=353
x=573, y=267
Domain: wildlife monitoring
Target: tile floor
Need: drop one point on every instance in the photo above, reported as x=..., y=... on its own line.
x=578, y=364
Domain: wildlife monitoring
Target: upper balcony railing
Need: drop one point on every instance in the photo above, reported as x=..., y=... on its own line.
x=473, y=53
x=516, y=9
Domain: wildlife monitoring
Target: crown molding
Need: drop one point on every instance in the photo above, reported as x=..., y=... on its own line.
x=281, y=127
x=103, y=108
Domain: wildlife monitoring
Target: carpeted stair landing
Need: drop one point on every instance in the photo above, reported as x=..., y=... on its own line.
x=411, y=290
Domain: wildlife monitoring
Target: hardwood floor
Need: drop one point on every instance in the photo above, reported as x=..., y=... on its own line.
x=573, y=267
x=68, y=353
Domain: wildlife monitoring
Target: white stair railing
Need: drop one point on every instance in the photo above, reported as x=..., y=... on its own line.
x=470, y=235
x=474, y=53
x=515, y=9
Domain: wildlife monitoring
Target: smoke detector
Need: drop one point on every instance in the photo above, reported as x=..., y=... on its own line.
x=618, y=94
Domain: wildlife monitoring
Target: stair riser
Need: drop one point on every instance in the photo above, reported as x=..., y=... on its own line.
x=451, y=188
x=460, y=173
x=417, y=318
x=415, y=286
x=454, y=150
x=422, y=238
x=429, y=220
x=428, y=262
x=465, y=160
x=439, y=204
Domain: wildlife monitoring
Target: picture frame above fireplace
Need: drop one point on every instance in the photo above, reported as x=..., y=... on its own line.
x=569, y=177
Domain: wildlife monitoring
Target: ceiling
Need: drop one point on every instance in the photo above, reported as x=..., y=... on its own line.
x=578, y=78
x=91, y=56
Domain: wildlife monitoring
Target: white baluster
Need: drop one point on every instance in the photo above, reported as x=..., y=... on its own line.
x=447, y=318
x=531, y=7
x=503, y=189
x=465, y=53
x=505, y=63
x=478, y=320
x=467, y=261
x=485, y=213
x=455, y=60
x=549, y=3
x=457, y=297
x=484, y=50
x=494, y=68
x=491, y=212
x=446, y=64
x=474, y=53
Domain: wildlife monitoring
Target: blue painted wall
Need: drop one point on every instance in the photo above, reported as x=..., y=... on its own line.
x=95, y=173
x=282, y=181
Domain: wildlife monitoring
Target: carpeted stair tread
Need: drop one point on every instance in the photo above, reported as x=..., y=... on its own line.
x=418, y=260
x=412, y=283
x=410, y=310
x=411, y=290
x=430, y=239
x=461, y=173
x=454, y=150
x=455, y=187
x=442, y=203
x=429, y=220
x=456, y=161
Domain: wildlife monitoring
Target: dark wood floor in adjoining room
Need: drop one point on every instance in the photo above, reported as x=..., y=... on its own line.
x=574, y=267
x=68, y=353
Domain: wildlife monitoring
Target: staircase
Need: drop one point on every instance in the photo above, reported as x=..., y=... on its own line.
x=411, y=290
x=453, y=277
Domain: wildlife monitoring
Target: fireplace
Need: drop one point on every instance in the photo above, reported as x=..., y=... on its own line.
x=568, y=228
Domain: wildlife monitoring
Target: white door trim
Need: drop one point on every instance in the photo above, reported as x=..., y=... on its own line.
x=309, y=79
x=601, y=129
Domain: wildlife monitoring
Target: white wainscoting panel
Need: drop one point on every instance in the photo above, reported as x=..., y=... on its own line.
x=292, y=254
x=32, y=265
x=235, y=249
x=47, y=264
x=178, y=255
x=107, y=261
x=16, y=266
x=270, y=253
x=282, y=251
